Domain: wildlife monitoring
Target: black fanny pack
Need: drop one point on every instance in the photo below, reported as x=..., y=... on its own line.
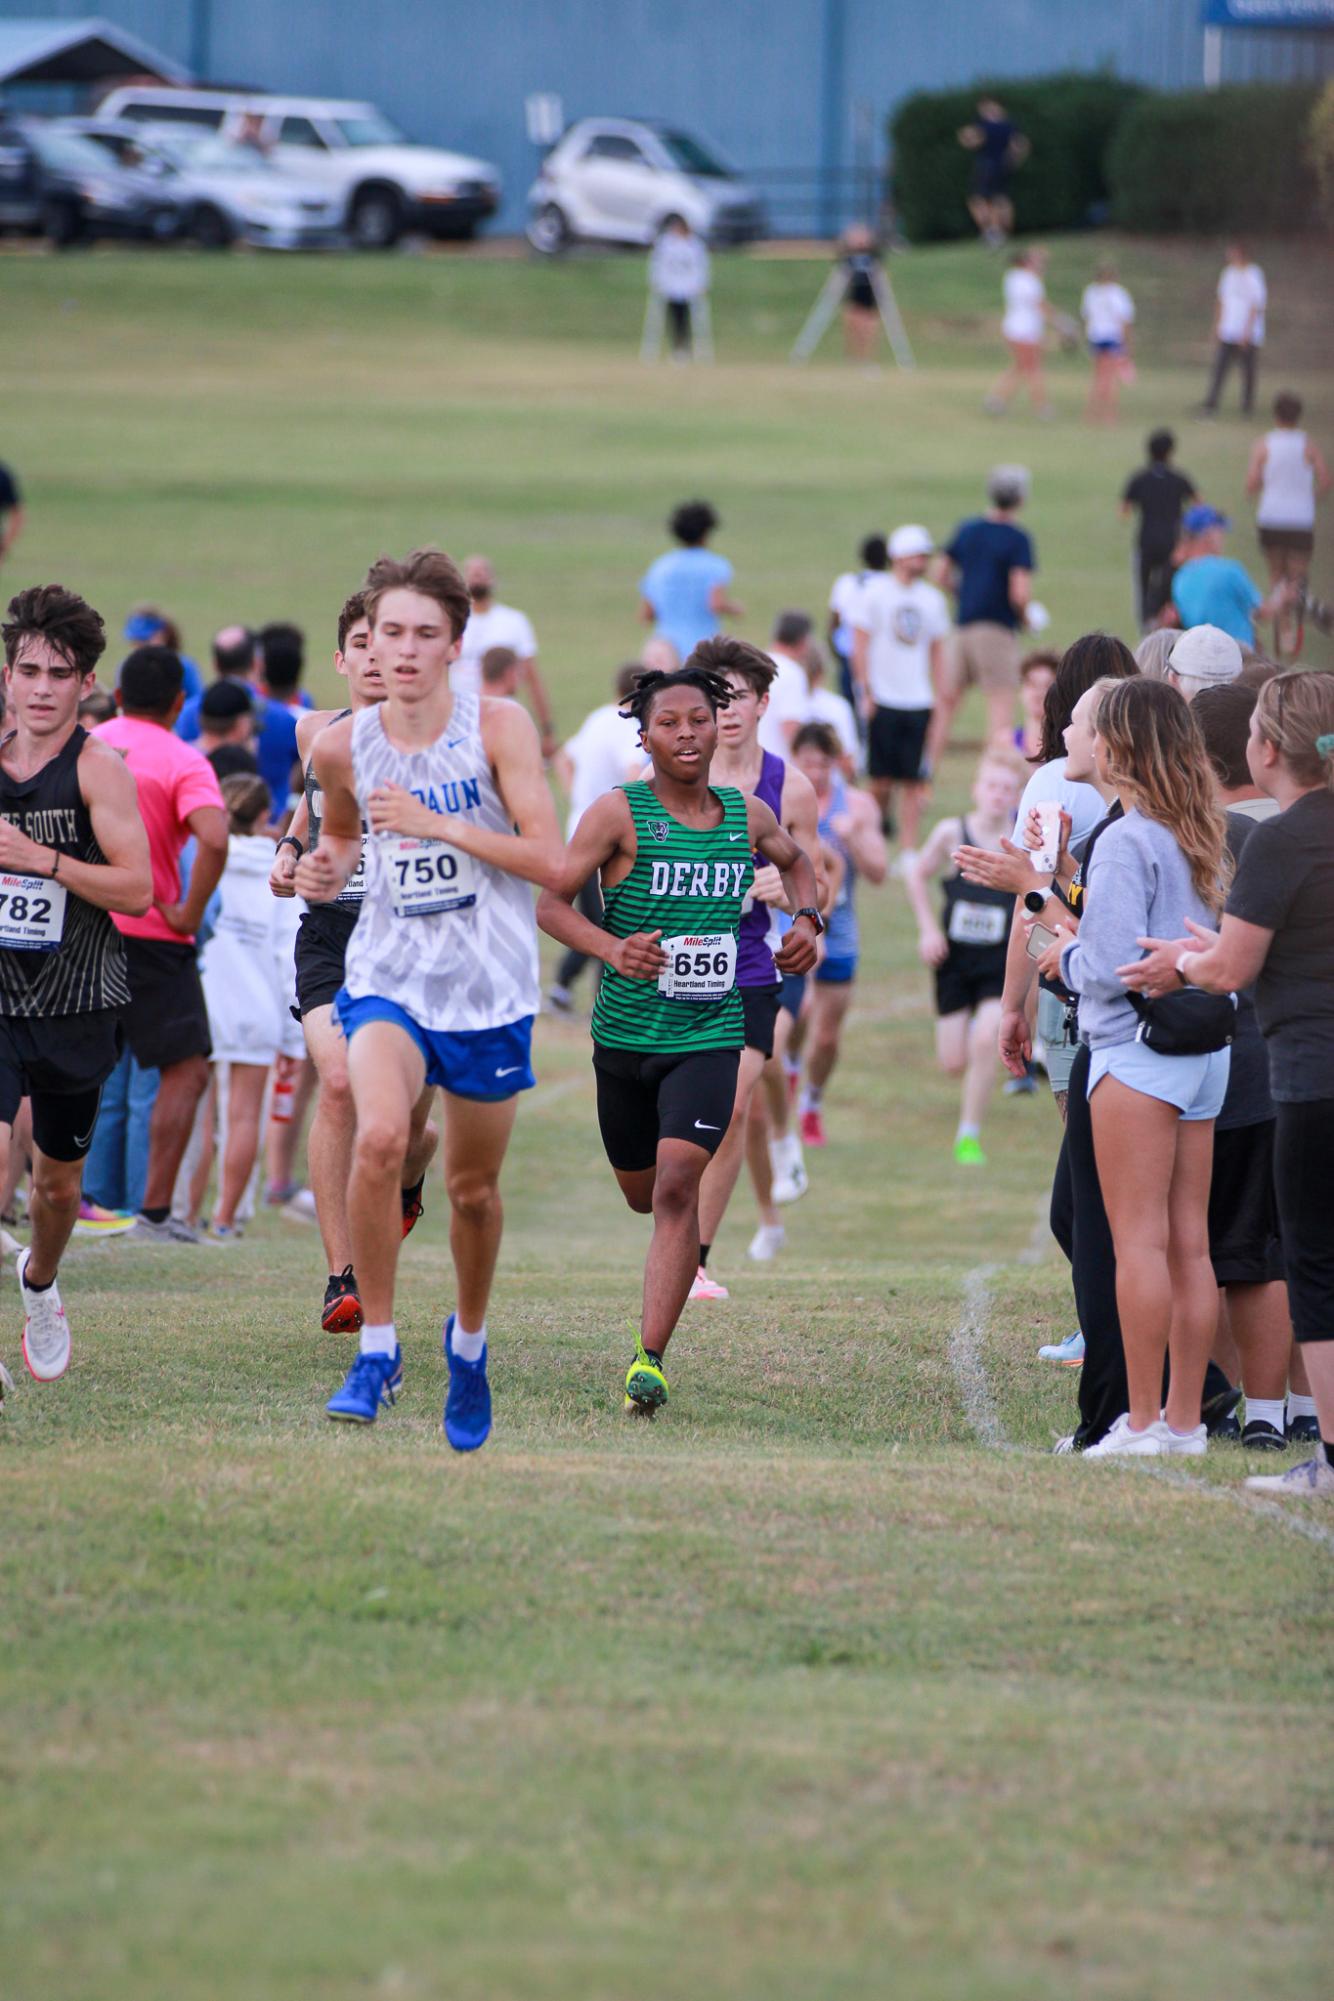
x=1191, y=1023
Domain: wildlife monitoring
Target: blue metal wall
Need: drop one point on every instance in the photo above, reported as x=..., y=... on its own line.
x=774, y=84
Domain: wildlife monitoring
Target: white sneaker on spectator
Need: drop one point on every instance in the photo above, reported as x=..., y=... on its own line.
x=767, y=1242
x=1187, y=1445
x=46, y=1341
x=1123, y=1443
x=1311, y=1481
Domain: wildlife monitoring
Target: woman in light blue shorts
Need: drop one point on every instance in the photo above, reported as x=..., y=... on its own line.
x=1152, y=1114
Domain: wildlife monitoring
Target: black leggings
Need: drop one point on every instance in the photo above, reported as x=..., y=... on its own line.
x=1303, y=1177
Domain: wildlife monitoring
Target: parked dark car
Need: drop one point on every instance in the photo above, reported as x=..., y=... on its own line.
x=60, y=185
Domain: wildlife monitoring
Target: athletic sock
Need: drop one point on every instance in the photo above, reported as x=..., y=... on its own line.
x=968, y=1132
x=468, y=1347
x=1265, y=1410
x=379, y=1340
x=704, y=1250
x=31, y=1285
x=811, y=1094
x=1299, y=1406
x=653, y=1355
x=156, y=1215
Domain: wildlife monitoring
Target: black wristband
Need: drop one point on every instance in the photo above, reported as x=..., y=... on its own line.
x=55, y=865
x=290, y=841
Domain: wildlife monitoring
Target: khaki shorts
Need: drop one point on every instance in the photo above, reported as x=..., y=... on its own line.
x=983, y=653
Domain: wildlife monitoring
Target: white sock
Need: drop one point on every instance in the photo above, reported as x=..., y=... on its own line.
x=1300, y=1406
x=379, y=1340
x=792, y=1066
x=1265, y=1410
x=968, y=1132
x=811, y=1095
x=468, y=1347
x=783, y=1152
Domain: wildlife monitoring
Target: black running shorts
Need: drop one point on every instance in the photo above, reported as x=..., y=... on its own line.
x=1244, y=1242
x=1303, y=1174
x=321, y=954
x=760, y=1006
x=970, y=975
x=166, y=1021
x=896, y=744
x=643, y=1099
x=61, y=1064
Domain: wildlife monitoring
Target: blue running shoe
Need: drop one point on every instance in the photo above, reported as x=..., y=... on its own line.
x=1070, y=1352
x=468, y=1405
x=371, y=1381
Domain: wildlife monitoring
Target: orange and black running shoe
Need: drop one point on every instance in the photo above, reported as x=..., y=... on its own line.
x=342, y=1307
x=412, y=1206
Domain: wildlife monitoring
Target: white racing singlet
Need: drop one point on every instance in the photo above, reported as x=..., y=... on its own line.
x=449, y=939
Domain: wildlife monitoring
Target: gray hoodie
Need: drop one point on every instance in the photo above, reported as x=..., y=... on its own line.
x=1138, y=886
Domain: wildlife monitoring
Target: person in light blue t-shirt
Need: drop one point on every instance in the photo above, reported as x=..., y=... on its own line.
x=684, y=594
x=1210, y=588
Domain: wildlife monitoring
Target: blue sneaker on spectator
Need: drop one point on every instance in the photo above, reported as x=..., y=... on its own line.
x=468, y=1405
x=1069, y=1352
x=371, y=1381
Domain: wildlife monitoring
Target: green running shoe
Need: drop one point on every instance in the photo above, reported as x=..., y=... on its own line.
x=645, y=1383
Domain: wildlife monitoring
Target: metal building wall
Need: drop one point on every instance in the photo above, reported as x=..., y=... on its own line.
x=772, y=83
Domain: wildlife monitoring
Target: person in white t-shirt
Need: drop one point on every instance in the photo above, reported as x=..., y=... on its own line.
x=604, y=752
x=897, y=659
x=823, y=705
x=1239, y=327
x=1024, y=324
x=1108, y=313
x=843, y=595
x=1288, y=476
x=787, y=695
x=493, y=624
x=678, y=271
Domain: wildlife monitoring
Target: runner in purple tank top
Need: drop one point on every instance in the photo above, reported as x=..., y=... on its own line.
x=740, y=761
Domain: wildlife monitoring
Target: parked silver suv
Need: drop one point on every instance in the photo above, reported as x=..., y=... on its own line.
x=618, y=180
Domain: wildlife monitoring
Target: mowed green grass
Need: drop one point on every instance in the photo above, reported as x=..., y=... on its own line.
x=801, y=1691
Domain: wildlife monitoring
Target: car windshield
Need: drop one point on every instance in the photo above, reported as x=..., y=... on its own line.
x=369, y=128
x=70, y=151
x=691, y=157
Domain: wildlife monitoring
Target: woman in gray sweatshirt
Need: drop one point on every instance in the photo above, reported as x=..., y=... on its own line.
x=1153, y=1115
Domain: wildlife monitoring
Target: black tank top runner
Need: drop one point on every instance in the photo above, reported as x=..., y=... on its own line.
x=966, y=913
x=86, y=971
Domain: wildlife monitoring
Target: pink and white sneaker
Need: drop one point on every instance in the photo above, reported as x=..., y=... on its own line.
x=46, y=1342
x=705, y=1287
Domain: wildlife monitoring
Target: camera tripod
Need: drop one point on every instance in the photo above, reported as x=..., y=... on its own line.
x=825, y=310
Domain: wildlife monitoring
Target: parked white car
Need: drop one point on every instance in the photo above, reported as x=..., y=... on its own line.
x=619, y=180
x=385, y=184
x=221, y=193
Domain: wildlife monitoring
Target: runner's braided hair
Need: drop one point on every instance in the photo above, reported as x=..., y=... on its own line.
x=635, y=708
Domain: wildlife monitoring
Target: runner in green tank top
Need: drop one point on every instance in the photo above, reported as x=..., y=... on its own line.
x=675, y=863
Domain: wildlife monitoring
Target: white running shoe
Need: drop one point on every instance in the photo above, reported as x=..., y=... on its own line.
x=46, y=1330
x=793, y=1181
x=767, y=1242
x=1313, y=1480
x=1123, y=1443
x=706, y=1287
x=1187, y=1445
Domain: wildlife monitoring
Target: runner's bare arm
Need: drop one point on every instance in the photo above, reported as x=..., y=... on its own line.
x=327, y=869
x=866, y=842
x=797, y=953
x=604, y=834
x=208, y=824
x=124, y=882
x=285, y=855
x=536, y=852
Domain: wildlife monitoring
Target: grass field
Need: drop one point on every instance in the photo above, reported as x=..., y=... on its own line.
x=832, y=1683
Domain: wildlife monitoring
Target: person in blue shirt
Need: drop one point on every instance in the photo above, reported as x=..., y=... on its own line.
x=1210, y=588
x=989, y=562
x=235, y=651
x=684, y=594
x=147, y=626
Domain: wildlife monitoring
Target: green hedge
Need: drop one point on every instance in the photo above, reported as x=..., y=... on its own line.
x=1212, y=160
x=1068, y=121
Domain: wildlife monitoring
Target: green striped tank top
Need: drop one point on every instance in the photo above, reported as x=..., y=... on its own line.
x=689, y=883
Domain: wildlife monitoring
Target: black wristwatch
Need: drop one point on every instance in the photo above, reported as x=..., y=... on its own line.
x=1035, y=901
x=809, y=911
x=290, y=841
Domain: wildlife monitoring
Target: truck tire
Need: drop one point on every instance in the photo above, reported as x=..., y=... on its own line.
x=375, y=218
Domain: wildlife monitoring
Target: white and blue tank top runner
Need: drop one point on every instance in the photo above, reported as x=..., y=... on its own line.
x=450, y=939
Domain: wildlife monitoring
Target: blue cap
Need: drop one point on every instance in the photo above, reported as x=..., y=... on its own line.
x=1198, y=519
x=140, y=627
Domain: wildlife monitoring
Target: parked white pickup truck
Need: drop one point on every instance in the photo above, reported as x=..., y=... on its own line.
x=389, y=186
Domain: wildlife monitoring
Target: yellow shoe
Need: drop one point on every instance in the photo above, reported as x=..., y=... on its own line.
x=645, y=1383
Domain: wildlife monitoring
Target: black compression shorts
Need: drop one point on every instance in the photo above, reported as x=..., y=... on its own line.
x=321, y=954
x=61, y=1064
x=646, y=1098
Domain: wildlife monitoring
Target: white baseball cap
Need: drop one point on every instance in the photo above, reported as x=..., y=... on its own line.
x=1206, y=653
x=910, y=541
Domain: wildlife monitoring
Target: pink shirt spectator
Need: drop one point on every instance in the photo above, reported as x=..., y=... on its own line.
x=174, y=779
